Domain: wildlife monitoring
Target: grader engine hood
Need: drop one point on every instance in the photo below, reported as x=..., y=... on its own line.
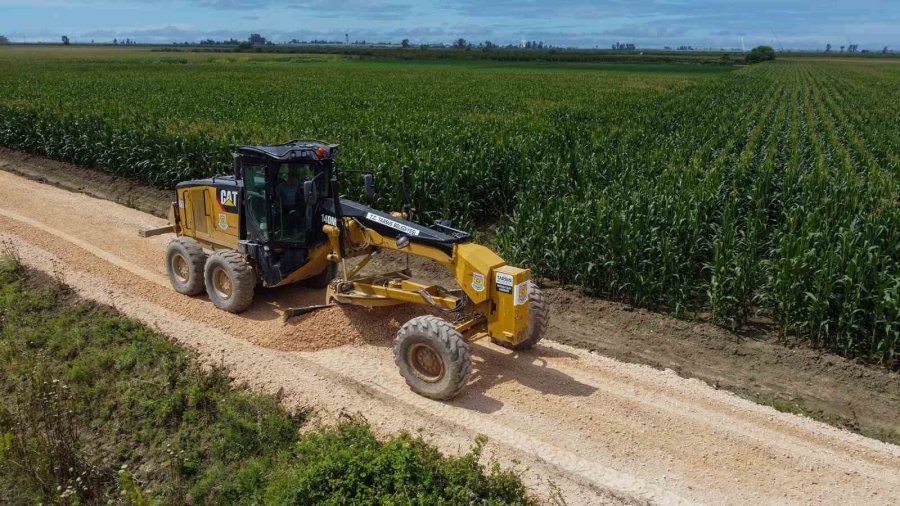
x=391, y=226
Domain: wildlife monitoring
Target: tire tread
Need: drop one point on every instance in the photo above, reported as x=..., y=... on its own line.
x=196, y=262
x=243, y=284
x=448, y=337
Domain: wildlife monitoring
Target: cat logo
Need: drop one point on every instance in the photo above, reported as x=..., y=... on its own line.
x=228, y=198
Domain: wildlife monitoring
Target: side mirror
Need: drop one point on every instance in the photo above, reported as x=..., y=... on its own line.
x=369, y=183
x=310, y=193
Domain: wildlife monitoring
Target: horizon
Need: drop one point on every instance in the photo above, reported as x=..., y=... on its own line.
x=445, y=45
x=791, y=25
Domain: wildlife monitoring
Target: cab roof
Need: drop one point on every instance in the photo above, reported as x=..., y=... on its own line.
x=290, y=150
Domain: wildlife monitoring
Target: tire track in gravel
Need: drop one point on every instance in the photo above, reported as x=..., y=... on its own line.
x=339, y=388
x=598, y=429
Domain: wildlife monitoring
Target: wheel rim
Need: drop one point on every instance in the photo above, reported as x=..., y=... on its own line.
x=180, y=268
x=425, y=362
x=221, y=283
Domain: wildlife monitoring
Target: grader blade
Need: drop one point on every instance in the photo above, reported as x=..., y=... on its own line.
x=300, y=311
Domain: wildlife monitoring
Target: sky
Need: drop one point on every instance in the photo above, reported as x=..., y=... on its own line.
x=788, y=24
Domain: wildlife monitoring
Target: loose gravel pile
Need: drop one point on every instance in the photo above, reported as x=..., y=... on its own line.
x=338, y=326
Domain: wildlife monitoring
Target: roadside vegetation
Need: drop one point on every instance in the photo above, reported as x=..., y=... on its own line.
x=760, y=54
x=763, y=192
x=98, y=409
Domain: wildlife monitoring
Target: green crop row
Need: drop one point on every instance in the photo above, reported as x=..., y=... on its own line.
x=763, y=192
x=780, y=203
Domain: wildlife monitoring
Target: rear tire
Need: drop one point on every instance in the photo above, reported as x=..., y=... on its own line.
x=538, y=320
x=230, y=281
x=433, y=357
x=184, y=264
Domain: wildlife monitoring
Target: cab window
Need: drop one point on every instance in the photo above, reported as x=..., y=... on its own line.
x=291, y=215
x=255, y=189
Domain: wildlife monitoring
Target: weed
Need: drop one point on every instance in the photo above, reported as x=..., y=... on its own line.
x=98, y=408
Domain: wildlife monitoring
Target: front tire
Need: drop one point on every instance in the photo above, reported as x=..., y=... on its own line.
x=184, y=265
x=433, y=357
x=230, y=281
x=538, y=320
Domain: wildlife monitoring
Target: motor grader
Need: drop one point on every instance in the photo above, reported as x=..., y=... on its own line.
x=279, y=219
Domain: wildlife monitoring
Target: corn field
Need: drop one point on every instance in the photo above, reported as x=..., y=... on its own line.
x=761, y=192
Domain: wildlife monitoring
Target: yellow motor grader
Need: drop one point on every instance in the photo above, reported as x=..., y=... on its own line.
x=279, y=219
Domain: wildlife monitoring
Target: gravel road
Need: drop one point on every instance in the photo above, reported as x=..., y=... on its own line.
x=576, y=423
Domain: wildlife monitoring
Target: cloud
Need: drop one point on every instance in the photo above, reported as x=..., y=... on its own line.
x=422, y=31
x=172, y=33
x=169, y=32
x=316, y=8
x=646, y=31
x=234, y=4
x=730, y=33
x=367, y=9
x=586, y=23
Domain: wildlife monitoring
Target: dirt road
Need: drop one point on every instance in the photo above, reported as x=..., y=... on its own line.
x=591, y=428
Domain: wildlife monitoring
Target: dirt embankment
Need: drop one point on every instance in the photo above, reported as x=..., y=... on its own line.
x=592, y=428
x=756, y=366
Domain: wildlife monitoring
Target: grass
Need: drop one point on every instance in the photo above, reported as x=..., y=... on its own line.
x=98, y=408
x=797, y=406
